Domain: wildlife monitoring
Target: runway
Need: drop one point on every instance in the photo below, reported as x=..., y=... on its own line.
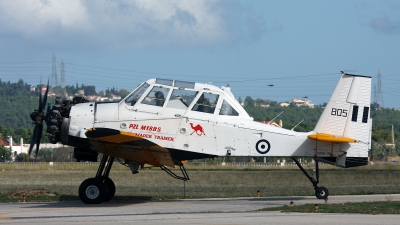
x=189, y=211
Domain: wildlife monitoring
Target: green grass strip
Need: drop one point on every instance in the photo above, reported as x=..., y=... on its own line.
x=385, y=207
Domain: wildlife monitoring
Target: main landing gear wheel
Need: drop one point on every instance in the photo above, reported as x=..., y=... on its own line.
x=321, y=192
x=100, y=188
x=92, y=191
x=110, y=189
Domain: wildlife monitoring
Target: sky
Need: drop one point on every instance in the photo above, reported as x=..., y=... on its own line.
x=299, y=47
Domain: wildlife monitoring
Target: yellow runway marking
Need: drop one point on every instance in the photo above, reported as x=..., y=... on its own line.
x=6, y=218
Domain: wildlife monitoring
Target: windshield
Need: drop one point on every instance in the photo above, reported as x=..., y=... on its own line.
x=227, y=109
x=131, y=100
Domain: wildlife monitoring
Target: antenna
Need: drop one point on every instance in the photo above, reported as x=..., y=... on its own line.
x=393, y=134
x=375, y=95
x=298, y=124
x=275, y=117
x=379, y=94
x=54, y=70
x=62, y=83
x=54, y=78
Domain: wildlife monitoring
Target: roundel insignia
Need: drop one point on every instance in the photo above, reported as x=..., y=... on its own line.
x=263, y=146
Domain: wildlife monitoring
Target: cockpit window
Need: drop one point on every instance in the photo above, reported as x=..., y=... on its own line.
x=206, y=103
x=181, y=99
x=156, y=96
x=131, y=100
x=227, y=109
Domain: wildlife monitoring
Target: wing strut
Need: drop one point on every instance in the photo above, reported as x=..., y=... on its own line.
x=172, y=174
x=184, y=173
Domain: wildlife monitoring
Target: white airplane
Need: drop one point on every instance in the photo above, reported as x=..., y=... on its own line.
x=164, y=123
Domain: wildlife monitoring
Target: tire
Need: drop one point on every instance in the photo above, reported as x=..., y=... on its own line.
x=92, y=191
x=110, y=189
x=321, y=193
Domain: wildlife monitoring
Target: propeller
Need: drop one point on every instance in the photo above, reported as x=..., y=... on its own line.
x=37, y=117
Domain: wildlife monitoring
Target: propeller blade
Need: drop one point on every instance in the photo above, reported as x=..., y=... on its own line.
x=38, y=139
x=45, y=97
x=34, y=138
x=38, y=117
x=40, y=101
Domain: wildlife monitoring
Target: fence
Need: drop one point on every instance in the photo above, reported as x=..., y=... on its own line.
x=49, y=163
x=230, y=164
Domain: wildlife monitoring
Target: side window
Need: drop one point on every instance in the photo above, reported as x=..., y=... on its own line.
x=181, y=99
x=131, y=100
x=227, y=109
x=206, y=103
x=156, y=96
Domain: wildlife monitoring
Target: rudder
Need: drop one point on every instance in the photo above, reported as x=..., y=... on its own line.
x=347, y=115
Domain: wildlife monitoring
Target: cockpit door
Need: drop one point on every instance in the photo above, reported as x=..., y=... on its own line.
x=227, y=128
x=146, y=102
x=196, y=131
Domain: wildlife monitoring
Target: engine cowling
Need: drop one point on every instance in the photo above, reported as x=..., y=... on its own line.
x=58, y=117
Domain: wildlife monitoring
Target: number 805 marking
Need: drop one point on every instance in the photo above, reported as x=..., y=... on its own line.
x=339, y=112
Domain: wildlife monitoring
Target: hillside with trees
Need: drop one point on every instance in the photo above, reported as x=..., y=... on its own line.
x=17, y=101
x=290, y=116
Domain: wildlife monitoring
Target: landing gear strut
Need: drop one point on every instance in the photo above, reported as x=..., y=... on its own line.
x=100, y=188
x=320, y=192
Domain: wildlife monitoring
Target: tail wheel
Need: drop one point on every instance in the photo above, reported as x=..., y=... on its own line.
x=111, y=189
x=92, y=191
x=321, y=192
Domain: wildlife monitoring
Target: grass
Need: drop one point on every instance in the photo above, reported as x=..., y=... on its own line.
x=385, y=207
x=63, y=180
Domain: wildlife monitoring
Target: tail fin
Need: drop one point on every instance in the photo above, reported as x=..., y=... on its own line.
x=346, y=121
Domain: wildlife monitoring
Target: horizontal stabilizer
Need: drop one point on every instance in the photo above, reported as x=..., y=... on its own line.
x=330, y=138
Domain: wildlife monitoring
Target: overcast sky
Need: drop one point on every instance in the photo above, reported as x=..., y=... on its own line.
x=299, y=46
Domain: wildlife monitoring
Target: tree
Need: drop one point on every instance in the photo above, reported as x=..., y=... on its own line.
x=71, y=89
x=260, y=101
x=5, y=153
x=21, y=157
x=64, y=154
x=249, y=102
x=45, y=154
x=123, y=93
x=381, y=152
x=273, y=104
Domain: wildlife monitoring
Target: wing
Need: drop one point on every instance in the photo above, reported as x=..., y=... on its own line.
x=128, y=146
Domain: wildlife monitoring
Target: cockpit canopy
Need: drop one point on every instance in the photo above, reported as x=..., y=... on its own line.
x=184, y=95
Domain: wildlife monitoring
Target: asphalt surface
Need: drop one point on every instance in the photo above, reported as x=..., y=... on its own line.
x=189, y=211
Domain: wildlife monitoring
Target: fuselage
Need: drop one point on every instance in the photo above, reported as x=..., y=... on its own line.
x=191, y=120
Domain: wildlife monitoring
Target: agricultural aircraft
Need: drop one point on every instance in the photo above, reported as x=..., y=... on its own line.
x=164, y=123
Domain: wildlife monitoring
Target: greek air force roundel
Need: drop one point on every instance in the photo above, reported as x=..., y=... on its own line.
x=263, y=146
